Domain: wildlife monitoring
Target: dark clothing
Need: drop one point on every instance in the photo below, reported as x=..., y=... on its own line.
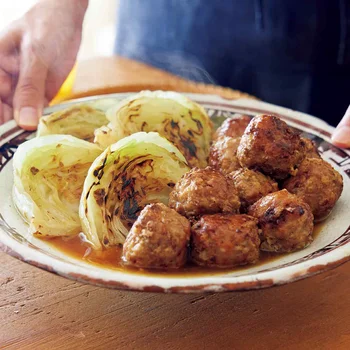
x=294, y=53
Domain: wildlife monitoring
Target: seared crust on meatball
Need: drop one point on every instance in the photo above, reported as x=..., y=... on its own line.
x=252, y=185
x=204, y=191
x=158, y=239
x=225, y=240
x=285, y=220
x=318, y=184
x=310, y=148
x=232, y=127
x=223, y=154
x=271, y=146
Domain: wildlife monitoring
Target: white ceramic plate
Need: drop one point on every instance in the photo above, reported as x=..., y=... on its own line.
x=330, y=248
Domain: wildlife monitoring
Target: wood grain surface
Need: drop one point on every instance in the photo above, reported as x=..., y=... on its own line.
x=39, y=310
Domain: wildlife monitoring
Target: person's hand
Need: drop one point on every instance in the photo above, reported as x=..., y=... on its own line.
x=37, y=53
x=341, y=135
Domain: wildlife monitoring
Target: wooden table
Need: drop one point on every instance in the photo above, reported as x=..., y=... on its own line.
x=39, y=310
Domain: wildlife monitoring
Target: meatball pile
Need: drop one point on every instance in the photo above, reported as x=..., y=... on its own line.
x=222, y=240
x=223, y=154
x=318, y=184
x=232, y=127
x=204, y=191
x=203, y=205
x=220, y=236
x=286, y=222
x=223, y=151
x=310, y=148
x=252, y=185
x=271, y=146
x=158, y=239
x=264, y=187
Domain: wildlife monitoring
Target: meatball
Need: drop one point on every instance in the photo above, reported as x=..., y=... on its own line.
x=285, y=220
x=271, y=146
x=223, y=154
x=158, y=239
x=232, y=127
x=310, y=148
x=318, y=184
x=252, y=185
x=225, y=240
x=204, y=191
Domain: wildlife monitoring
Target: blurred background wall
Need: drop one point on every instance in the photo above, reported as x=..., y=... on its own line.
x=99, y=24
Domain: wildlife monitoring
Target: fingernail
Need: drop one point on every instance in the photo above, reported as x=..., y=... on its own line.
x=341, y=136
x=28, y=117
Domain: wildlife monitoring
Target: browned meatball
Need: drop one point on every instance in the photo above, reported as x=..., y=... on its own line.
x=225, y=240
x=310, y=148
x=158, y=239
x=252, y=185
x=223, y=154
x=286, y=222
x=232, y=127
x=204, y=191
x=271, y=146
x=318, y=184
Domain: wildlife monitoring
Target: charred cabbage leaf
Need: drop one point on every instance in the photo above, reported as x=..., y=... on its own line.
x=49, y=174
x=174, y=116
x=79, y=121
x=137, y=170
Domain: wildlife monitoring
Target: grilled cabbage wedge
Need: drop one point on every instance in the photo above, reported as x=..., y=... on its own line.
x=79, y=121
x=137, y=170
x=49, y=174
x=174, y=116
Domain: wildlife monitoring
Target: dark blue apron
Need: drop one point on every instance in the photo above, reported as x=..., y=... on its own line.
x=295, y=53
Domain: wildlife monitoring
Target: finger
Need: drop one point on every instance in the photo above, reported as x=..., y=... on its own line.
x=341, y=135
x=10, y=63
x=10, y=40
x=9, y=98
x=5, y=84
x=29, y=96
x=7, y=112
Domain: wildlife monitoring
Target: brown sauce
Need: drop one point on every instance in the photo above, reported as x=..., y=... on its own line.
x=111, y=258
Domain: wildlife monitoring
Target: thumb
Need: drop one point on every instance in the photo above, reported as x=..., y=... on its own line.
x=341, y=135
x=29, y=95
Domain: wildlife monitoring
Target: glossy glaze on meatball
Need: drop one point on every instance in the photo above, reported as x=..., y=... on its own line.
x=252, y=185
x=270, y=146
x=225, y=240
x=158, y=239
x=204, y=191
x=232, y=127
x=223, y=154
x=285, y=220
x=310, y=148
x=318, y=184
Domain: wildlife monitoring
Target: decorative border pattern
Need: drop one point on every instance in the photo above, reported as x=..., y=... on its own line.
x=8, y=149
x=339, y=157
